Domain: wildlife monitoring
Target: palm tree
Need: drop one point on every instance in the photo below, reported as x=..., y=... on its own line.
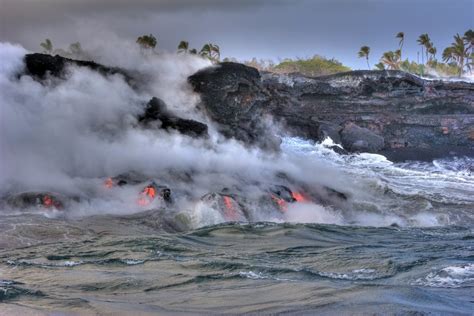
x=205, y=51
x=380, y=66
x=424, y=41
x=391, y=59
x=183, y=47
x=215, y=52
x=469, y=39
x=210, y=51
x=47, y=46
x=364, y=53
x=76, y=49
x=147, y=41
x=457, y=52
x=401, y=37
x=432, y=51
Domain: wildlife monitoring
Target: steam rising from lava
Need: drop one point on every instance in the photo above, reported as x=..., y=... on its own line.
x=70, y=136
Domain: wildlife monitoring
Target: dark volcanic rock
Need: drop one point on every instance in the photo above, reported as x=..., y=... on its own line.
x=407, y=112
x=355, y=138
x=328, y=129
x=386, y=110
x=40, y=65
x=156, y=112
x=232, y=95
x=46, y=200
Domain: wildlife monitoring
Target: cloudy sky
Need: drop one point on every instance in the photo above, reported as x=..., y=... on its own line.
x=243, y=28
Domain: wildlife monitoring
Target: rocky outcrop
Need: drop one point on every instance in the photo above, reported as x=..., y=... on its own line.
x=233, y=96
x=157, y=115
x=42, y=65
x=356, y=138
x=390, y=112
x=407, y=113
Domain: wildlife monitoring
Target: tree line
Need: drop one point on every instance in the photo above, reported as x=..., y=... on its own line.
x=458, y=58
x=147, y=44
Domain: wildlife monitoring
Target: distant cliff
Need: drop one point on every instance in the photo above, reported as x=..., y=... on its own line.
x=390, y=112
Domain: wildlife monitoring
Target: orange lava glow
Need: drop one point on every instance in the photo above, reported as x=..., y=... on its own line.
x=230, y=210
x=147, y=196
x=281, y=203
x=299, y=197
x=109, y=183
x=150, y=191
x=47, y=201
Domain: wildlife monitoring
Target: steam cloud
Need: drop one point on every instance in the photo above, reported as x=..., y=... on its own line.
x=68, y=135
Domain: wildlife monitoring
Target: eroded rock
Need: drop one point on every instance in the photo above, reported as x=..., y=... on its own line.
x=232, y=96
x=355, y=138
x=40, y=65
x=157, y=115
x=393, y=110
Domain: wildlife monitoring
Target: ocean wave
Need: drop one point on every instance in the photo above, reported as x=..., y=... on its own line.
x=72, y=263
x=449, y=277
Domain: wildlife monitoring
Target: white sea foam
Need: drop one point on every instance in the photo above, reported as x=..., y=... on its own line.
x=449, y=277
x=252, y=275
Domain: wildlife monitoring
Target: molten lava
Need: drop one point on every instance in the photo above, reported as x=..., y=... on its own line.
x=230, y=210
x=299, y=197
x=47, y=201
x=50, y=202
x=109, y=183
x=147, y=195
x=282, y=205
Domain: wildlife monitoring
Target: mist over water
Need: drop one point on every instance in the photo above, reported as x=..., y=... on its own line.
x=400, y=242
x=67, y=136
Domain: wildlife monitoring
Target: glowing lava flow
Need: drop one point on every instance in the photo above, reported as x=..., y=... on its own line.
x=47, y=201
x=109, y=183
x=230, y=211
x=299, y=197
x=50, y=202
x=147, y=196
x=281, y=203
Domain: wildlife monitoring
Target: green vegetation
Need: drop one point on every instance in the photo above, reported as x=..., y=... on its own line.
x=210, y=51
x=74, y=51
x=391, y=59
x=47, y=46
x=460, y=52
x=183, y=47
x=401, y=38
x=315, y=66
x=147, y=42
x=364, y=53
x=457, y=58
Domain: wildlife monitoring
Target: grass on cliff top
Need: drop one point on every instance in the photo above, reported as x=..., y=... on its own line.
x=313, y=67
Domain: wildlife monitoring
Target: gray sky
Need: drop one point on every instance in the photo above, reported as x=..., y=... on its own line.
x=244, y=29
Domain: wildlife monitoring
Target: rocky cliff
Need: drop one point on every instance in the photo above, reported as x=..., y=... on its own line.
x=390, y=112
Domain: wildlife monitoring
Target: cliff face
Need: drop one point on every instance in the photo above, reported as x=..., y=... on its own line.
x=233, y=95
x=391, y=112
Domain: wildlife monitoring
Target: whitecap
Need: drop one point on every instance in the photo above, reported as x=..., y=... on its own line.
x=449, y=277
